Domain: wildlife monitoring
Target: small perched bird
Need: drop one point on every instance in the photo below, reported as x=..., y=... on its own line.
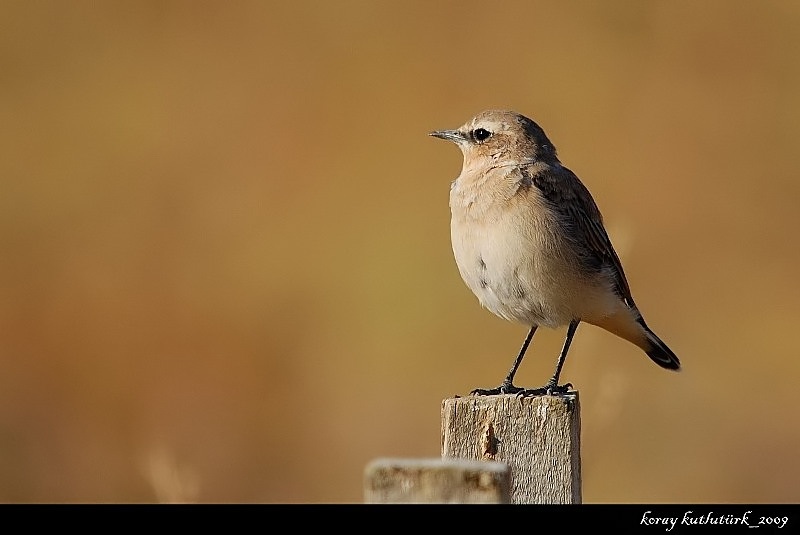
x=529, y=242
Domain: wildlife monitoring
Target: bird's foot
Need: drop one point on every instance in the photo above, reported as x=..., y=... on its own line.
x=506, y=388
x=550, y=389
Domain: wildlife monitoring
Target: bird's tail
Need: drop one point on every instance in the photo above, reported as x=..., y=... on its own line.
x=627, y=323
x=659, y=352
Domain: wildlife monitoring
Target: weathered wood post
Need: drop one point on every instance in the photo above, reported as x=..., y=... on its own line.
x=537, y=437
x=436, y=481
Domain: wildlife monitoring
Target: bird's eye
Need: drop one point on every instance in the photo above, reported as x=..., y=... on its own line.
x=481, y=134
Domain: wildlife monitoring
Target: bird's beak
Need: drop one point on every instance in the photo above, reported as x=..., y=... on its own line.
x=450, y=135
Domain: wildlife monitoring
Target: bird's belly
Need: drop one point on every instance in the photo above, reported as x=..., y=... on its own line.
x=526, y=277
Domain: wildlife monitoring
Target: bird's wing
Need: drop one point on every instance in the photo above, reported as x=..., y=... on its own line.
x=573, y=202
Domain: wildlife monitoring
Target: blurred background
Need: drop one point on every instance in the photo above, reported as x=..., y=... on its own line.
x=226, y=272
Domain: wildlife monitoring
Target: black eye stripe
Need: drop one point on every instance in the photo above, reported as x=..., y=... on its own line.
x=481, y=134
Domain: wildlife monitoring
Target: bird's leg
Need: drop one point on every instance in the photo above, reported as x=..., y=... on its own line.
x=552, y=386
x=507, y=387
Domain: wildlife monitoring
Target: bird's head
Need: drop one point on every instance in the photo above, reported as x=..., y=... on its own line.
x=500, y=136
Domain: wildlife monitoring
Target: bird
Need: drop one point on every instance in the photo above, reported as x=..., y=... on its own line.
x=529, y=241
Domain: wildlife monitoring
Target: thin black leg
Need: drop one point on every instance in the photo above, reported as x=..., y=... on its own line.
x=507, y=387
x=552, y=386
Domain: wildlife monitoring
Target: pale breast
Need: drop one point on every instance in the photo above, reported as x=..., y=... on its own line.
x=511, y=254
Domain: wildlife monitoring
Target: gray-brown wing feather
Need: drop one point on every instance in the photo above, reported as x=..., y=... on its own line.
x=573, y=202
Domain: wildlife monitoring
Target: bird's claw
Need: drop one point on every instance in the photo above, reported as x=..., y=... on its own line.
x=505, y=388
x=550, y=389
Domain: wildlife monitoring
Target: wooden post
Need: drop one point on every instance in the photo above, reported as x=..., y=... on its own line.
x=538, y=437
x=436, y=481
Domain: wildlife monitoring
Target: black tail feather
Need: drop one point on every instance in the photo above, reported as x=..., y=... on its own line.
x=660, y=353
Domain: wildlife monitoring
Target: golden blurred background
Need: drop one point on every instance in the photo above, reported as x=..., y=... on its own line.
x=226, y=272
